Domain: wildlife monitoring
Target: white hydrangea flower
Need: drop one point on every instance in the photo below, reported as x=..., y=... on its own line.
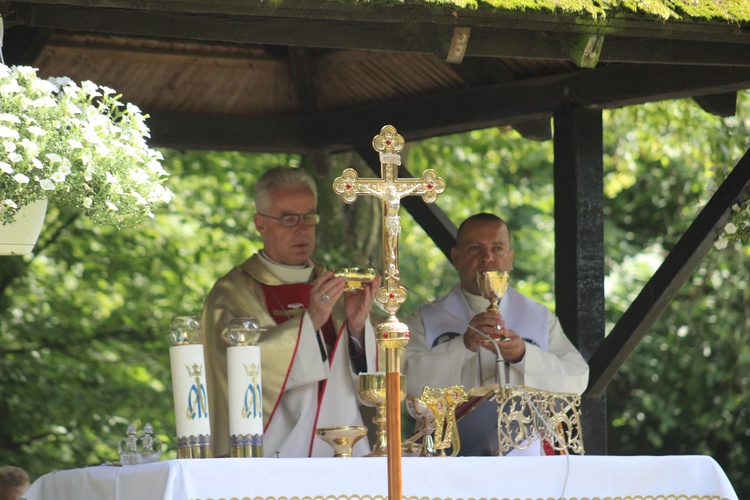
x=10, y=118
x=36, y=131
x=730, y=228
x=721, y=243
x=8, y=132
x=10, y=88
x=31, y=147
x=90, y=88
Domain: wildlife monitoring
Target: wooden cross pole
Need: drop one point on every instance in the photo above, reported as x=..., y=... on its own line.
x=391, y=334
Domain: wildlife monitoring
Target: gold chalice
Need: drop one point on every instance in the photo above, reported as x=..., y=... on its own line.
x=342, y=438
x=372, y=393
x=356, y=277
x=493, y=284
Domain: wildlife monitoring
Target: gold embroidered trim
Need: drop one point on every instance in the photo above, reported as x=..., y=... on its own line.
x=380, y=497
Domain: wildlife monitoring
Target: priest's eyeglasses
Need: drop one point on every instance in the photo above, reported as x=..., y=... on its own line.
x=291, y=220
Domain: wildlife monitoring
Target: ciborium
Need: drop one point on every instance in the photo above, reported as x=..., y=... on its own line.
x=492, y=285
x=342, y=438
x=372, y=393
x=356, y=277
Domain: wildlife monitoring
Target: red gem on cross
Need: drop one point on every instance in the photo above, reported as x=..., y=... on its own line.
x=385, y=335
x=388, y=142
x=429, y=187
x=391, y=295
x=348, y=186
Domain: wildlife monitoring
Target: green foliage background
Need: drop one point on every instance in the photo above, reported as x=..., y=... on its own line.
x=84, y=321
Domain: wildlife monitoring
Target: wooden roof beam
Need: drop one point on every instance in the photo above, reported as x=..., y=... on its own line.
x=584, y=50
x=505, y=35
x=719, y=104
x=442, y=114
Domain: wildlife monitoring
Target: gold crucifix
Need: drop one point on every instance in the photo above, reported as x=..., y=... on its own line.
x=390, y=189
x=390, y=334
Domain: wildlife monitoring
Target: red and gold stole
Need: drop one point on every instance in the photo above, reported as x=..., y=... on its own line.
x=292, y=300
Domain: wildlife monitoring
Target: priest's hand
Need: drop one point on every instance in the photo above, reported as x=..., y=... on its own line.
x=357, y=307
x=489, y=323
x=512, y=347
x=323, y=295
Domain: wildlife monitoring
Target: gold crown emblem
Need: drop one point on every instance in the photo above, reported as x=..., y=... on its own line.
x=251, y=370
x=194, y=371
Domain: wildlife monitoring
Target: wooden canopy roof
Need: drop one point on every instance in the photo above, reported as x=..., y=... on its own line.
x=310, y=75
x=316, y=77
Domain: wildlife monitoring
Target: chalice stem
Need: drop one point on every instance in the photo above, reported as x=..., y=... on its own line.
x=393, y=417
x=381, y=444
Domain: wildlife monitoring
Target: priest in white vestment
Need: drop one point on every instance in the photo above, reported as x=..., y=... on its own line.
x=445, y=348
x=315, y=339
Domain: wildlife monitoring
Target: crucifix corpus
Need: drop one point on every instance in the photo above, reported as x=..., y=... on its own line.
x=391, y=334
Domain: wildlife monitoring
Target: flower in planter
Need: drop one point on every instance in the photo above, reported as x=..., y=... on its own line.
x=77, y=146
x=738, y=227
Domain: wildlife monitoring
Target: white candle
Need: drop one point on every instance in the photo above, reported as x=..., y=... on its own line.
x=245, y=399
x=190, y=397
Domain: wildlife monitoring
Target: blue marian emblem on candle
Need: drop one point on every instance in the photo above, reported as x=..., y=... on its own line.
x=197, y=405
x=253, y=405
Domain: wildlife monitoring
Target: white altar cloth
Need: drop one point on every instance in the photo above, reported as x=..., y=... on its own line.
x=434, y=478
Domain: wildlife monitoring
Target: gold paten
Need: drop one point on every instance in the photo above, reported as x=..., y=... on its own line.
x=372, y=393
x=356, y=278
x=342, y=438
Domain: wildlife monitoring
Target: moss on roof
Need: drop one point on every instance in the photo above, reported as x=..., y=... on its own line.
x=737, y=11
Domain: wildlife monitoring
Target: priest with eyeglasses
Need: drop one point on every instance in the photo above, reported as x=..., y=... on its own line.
x=314, y=339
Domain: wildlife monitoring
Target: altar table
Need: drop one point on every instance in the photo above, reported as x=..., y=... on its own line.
x=433, y=478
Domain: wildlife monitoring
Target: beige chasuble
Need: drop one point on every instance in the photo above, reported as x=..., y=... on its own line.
x=302, y=388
